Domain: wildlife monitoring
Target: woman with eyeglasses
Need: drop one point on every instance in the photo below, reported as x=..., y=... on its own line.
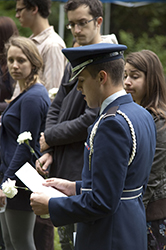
x=145, y=80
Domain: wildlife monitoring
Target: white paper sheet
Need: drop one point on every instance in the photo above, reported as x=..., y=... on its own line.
x=30, y=177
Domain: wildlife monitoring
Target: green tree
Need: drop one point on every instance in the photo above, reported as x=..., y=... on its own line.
x=138, y=28
x=7, y=8
x=141, y=28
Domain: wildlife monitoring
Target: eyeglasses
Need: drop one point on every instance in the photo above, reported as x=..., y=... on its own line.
x=18, y=11
x=80, y=24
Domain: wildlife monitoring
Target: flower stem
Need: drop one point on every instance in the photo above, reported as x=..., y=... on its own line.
x=38, y=159
x=33, y=152
x=25, y=188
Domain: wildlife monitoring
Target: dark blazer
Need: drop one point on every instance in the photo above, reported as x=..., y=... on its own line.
x=27, y=112
x=67, y=122
x=108, y=217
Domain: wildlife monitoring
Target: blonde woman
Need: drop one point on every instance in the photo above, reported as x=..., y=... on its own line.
x=27, y=112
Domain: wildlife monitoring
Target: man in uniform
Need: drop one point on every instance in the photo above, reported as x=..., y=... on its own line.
x=69, y=116
x=107, y=203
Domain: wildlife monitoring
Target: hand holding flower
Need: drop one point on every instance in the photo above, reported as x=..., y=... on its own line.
x=45, y=160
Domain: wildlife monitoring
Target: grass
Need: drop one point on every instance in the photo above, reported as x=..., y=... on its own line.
x=57, y=245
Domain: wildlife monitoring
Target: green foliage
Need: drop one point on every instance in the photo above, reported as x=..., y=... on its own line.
x=57, y=245
x=157, y=44
x=139, y=28
x=54, y=20
x=149, y=19
x=54, y=16
x=7, y=8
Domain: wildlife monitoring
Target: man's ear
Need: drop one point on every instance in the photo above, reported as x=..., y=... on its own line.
x=99, y=21
x=102, y=76
x=35, y=9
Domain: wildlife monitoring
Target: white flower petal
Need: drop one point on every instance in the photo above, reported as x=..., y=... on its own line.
x=24, y=136
x=52, y=92
x=9, y=188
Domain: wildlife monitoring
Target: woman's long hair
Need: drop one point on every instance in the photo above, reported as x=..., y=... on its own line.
x=155, y=84
x=8, y=28
x=30, y=50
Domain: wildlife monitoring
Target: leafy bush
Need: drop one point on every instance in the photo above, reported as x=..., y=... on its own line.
x=157, y=44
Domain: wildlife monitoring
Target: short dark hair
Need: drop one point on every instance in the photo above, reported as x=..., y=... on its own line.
x=114, y=68
x=44, y=6
x=95, y=6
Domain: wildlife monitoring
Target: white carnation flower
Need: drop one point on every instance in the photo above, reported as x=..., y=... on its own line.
x=24, y=137
x=9, y=188
x=52, y=92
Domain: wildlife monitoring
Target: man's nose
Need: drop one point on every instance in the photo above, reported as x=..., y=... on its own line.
x=79, y=88
x=17, y=15
x=76, y=28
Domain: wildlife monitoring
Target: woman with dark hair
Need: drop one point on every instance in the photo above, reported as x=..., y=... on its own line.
x=145, y=80
x=27, y=112
x=8, y=28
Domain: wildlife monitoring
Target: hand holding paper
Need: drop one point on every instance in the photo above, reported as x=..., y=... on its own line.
x=43, y=189
x=40, y=198
x=30, y=177
x=64, y=186
x=39, y=203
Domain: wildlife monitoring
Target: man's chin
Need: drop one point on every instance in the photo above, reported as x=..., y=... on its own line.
x=81, y=41
x=23, y=25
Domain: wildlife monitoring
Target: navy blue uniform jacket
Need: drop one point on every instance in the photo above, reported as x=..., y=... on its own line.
x=105, y=221
x=27, y=112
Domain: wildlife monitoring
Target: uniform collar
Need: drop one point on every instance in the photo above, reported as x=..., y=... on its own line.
x=112, y=98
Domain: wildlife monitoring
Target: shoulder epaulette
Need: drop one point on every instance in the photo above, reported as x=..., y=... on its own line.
x=112, y=112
